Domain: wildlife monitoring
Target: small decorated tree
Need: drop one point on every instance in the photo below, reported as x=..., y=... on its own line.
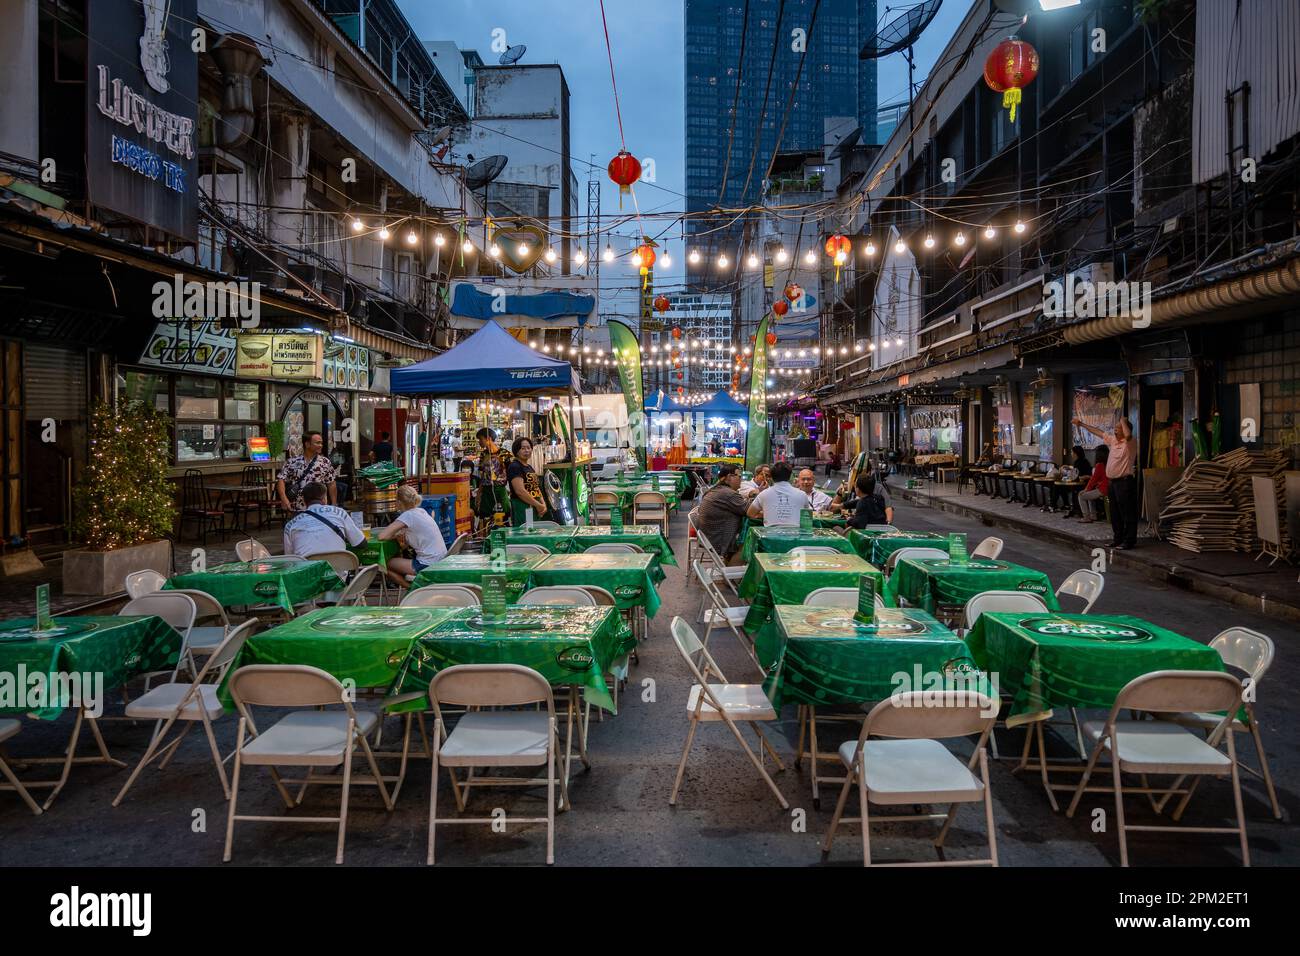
x=124, y=497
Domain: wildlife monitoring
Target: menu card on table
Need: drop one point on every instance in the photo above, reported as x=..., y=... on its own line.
x=866, y=612
x=42, y=607
x=805, y=520
x=956, y=549
x=616, y=517
x=494, y=598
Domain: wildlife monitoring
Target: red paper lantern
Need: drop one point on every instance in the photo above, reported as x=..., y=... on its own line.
x=624, y=169
x=771, y=338
x=679, y=376
x=662, y=304
x=1011, y=67
x=837, y=244
x=780, y=307
x=647, y=254
x=677, y=333
x=793, y=292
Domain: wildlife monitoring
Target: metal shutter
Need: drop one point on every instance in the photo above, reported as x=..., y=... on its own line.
x=55, y=381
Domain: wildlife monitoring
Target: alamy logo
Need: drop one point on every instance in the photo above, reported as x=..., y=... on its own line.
x=74, y=909
x=24, y=691
x=1080, y=298
x=209, y=300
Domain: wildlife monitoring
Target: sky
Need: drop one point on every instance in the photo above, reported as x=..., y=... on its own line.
x=646, y=39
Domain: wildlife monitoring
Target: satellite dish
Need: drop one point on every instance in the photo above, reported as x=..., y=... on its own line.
x=440, y=136
x=899, y=34
x=512, y=55
x=484, y=171
x=846, y=144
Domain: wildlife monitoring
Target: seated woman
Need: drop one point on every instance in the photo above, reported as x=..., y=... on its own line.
x=869, y=507
x=421, y=533
x=1098, y=485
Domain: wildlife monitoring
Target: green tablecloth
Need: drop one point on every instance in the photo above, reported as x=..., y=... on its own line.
x=119, y=648
x=566, y=645
x=570, y=539
x=821, y=656
x=773, y=579
x=780, y=539
x=678, y=479
x=366, y=645
x=931, y=582
x=1076, y=660
x=284, y=580
x=471, y=569
x=376, y=552
x=824, y=519
x=625, y=493
x=877, y=546
x=631, y=578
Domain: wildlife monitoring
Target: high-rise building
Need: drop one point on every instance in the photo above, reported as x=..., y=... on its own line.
x=727, y=157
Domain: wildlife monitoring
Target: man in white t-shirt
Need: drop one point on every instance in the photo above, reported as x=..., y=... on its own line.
x=320, y=527
x=781, y=502
x=421, y=533
x=808, y=485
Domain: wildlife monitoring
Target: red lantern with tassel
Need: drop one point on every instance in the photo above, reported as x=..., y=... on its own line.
x=780, y=307
x=838, y=244
x=677, y=333
x=662, y=304
x=771, y=338
x=647, y=254
x=679, y=376
x=1011, y=67
x=624, y=169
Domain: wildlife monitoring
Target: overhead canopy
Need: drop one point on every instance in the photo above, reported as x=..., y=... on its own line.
x=490, y=360
x=722, y=405
x=665, y=404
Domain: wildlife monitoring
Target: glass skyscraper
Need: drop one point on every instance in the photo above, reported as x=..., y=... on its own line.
x=834, y=82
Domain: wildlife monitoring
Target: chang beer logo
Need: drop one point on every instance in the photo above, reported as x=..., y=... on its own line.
x=132, y=660
x=627, y=592
x=564, y=545
x=1118, y=633
x=515, y=587
x=575, y=659
x=1035, y=586
x=267, y=589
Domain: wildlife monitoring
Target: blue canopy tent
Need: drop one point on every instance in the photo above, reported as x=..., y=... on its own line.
x=722, y=405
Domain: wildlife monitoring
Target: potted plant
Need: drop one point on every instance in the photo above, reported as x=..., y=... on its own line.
x=124, y=502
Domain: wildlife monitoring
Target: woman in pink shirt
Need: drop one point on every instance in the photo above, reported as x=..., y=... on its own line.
x=1121, y=477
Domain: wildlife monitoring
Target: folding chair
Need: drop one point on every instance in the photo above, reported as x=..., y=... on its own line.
x=995, y=602
x=720, y=571
x=250, y=550
x=177, y=609
x=344, y=563
x=527, y=550
x=458, y=545
x=1161, y=747
x=814, y=549
x=603, y=504
x=190, y=702
x=302, y=738
x=652, y=506
x=691, y=532
x=1083, y=584
x=203, y=640
x=722, y=613
x=566, y=595
x=140, y=583
x=354, y=595
x=837, y=597
x=9, y=728
x=498, y=738
x=1251, y=653
x=902, y=553
x=879, y=527
x=443, y=595
x=614, y=547
x=989, y=548
x=913, y=767
x=725, y=702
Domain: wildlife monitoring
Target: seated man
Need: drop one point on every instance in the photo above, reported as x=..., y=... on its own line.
x=720, y=512
x=868, y=508
x=808, y=485
x=320, y=527
x=762, y=479
x=421, y=533
x=781, y=502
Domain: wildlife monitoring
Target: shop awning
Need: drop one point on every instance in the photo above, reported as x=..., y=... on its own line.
x=722, y=405
x=490, y=360
x=472, y=302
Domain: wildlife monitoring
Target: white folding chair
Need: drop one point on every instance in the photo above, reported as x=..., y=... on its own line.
x=566, y=595
x=203, y=639
x=719, y=569
x=814, y=549
x=458, y=545
x=189, y=702
x=652, y=507
x=354, y=595
x=343, y=562
x=602, y=505
x=1083, y=584
x=9, y=727
x=139, y=583
x=989, y=548
x=546, y=524
x=995, y=602
x=527, y=550
x=302, y=738
x=496, y=738
x=1146, y=747
x=912, y=766
x=1251, y=653
x=250, y=550
x=726, y=702
x=174, y=607
x=443, y=595
x=721, y=613
x=902, y=553
x=837, y=597
x=615, y=547
x=691, y=531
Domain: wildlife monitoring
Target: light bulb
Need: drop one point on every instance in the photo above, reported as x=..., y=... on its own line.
x=884, y=343
x=781, y=255
x=857, y=346
x=844, y=350
x=546, y=348
x=694, y=257
x=929, y=242
x=900, y=247
x=532, y=345
x=723, y=262
x=899, y=341
x=1020, y=226
x=752, y=261
x=495, y=251
x=666, y=262
x=412, y=238
x=357, y=225
x=871, y=346
x=467, y=247
x=579, y=257
x=960, y=239
x=522, y=249
x=810, y=258
x=383, y=233
x=636, y=260
x=988, y=233
x=439, y=240
x=608, y=254
x=551, y=254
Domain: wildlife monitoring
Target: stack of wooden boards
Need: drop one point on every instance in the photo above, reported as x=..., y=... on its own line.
x=1212, y=506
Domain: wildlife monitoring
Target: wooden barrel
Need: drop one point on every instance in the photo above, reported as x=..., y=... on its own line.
x=374, y=501
x=451, y=483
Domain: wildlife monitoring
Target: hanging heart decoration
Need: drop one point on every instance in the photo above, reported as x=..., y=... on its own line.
x=510, y=235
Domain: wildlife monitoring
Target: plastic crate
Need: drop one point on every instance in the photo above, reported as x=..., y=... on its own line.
x=443, y=510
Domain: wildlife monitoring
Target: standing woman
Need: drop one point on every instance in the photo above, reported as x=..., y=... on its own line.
x=525, y=492
x=1122, y=478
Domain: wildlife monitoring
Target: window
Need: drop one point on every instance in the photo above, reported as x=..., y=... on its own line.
x=214, y=418
x=147, y=387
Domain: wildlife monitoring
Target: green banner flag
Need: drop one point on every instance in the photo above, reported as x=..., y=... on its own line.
x=627, y=353
x=757, y=440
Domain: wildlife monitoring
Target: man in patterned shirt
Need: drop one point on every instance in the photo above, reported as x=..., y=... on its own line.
x=311, y=465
